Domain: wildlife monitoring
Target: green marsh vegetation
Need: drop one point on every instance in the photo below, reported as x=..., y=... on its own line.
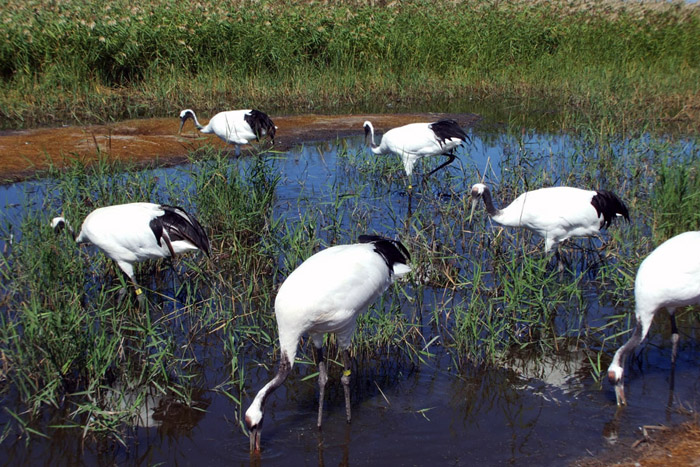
x=479, y=296
x=630, y=64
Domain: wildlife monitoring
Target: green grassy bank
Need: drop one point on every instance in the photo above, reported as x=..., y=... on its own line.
x=634, y=64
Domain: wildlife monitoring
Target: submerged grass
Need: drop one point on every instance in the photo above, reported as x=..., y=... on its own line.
x=632, y=64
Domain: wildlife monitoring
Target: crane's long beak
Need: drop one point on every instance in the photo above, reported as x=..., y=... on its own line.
x=255, y=440
x=620, y=393
x=182, y=123
x=475, y=201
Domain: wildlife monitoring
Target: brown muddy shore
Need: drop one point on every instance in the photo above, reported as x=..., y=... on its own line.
x=156, y=141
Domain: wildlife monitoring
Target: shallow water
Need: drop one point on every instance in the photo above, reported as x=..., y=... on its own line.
x=404, y=413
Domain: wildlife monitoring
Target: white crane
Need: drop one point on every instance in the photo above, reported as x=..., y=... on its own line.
x=323, y=295
x=555, y=213
x=417, y=140
x=134, y=232
x=234, y=126
x=668, y=278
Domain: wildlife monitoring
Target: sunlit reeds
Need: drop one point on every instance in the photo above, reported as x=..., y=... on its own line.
x=90, y=61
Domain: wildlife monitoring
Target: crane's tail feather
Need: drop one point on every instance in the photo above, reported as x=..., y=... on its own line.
x=609, y=205
x=393, y=252
x=180, y=225
x=448, y=129
x=261, y=124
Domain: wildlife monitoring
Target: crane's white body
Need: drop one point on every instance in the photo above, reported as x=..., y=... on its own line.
x=555, y=213
x=233, y=126
x=668, y=278
x=325, y=294
x=124, y=233
x=412, y=142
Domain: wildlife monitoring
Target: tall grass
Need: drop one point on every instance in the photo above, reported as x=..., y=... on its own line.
x=90, y=61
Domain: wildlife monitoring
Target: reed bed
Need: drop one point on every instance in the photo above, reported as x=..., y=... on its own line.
x=560, y=63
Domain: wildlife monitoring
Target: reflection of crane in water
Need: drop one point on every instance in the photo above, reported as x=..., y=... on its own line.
x=323, y=295
x=152, y=408
x=668, y=278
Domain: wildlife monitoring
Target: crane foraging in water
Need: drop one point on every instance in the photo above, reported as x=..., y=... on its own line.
x=234, y=126
x=417, y=140
x=325, y=294
x=668, y=278
x=555, y=213
x=134, y=232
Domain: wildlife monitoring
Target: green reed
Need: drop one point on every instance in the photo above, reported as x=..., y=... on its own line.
x=89, y=61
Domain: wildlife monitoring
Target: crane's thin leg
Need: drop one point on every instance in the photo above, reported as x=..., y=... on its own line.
x=322, y=379
x=128, y=270
x=451, y=157
x=674, y=338
x=560, y=263
x=345, y=379
x=172, y=260
x=140, y=296
x=674, y=353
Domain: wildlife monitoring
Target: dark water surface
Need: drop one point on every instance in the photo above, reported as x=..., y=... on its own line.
x=549, y=412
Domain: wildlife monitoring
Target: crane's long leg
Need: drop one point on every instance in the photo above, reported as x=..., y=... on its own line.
x=140, y=296
x=674, y=338
x=451, y=157
x=322, y=379
x=172, y=259
x=560, y=263
x=674, y=353
x=128, y=270
x=345, y=379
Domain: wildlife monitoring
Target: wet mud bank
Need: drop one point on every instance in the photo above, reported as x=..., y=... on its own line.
x=156, y=141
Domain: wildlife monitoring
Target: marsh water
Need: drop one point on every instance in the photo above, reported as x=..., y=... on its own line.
x=548, y=410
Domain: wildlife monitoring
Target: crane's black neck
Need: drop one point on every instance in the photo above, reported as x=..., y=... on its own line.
x=488, y=202
x=369, y=137
x=630, y=345
x=282, y=372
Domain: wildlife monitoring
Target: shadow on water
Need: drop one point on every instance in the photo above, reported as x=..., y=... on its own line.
x=432, y=405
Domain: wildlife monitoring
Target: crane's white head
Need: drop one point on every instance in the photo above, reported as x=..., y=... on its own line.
x=477, y=192
x=615, y=374
x=184, y=115
x=254, y=419
x=59, y=223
